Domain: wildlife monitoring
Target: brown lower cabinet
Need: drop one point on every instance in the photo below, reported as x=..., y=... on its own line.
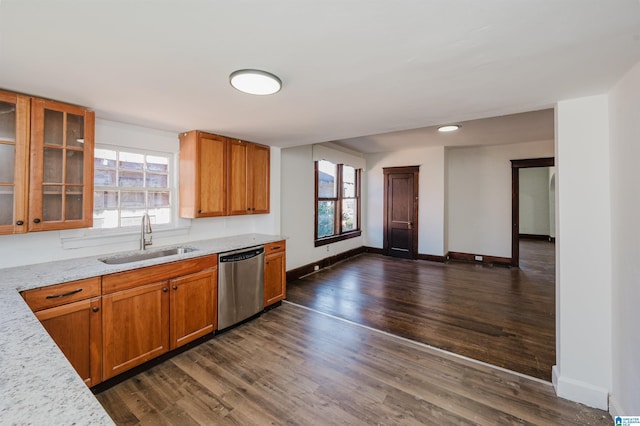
x=76, y=329
x=142, y=320
x=135, y=327
x=275, y=277
x=110, y=324
x=71, y=313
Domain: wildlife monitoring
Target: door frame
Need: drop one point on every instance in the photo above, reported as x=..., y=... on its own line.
x=516, y=165
x=404, y=170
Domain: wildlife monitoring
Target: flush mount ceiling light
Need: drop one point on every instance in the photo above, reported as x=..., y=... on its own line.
x=255, y=82
x=449, y=128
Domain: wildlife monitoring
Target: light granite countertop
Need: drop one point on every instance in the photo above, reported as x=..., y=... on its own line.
x=37, y=383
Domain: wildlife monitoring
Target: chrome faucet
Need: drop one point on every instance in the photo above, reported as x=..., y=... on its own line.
x=144, y=231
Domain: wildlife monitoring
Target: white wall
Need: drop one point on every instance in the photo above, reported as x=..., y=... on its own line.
x=624, y=104
x=297, y=218
x=47, y=246
x=431, y=203
x=583, y=252
x=479, y=195
x=534, y=200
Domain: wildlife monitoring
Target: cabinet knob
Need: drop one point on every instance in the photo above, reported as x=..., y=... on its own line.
x=19, y=223
x=199, y=211
x=95, y=309
x=36, y=220
x=164, y=289
x=248, y=209
x=175, y=287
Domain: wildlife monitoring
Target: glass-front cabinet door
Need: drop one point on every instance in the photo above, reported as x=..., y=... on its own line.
x=61, y=179
x=14, y=161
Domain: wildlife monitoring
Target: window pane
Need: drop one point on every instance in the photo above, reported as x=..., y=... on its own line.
x=326, y=218
x=130, y=161
x=105, y=200
x=104, y=158
x=131, y=179
x=348, y=182
x=157, y=181
x=349, y=215
x=157, y=164
x=132, y=200
x=159, y=199
x=130, y=185
x=104, y=177
x=327, y=184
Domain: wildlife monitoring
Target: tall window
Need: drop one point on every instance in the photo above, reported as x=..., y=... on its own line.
x=337, y=202
x=128, y=184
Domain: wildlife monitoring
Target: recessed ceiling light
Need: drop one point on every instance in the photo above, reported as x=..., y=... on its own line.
x=255, y=82
x=449, y=128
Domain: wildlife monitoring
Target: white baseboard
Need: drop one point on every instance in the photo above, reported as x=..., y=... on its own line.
x=615, y=409
x=584, y=393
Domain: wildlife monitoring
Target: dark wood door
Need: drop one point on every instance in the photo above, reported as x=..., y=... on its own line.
x=401, y=212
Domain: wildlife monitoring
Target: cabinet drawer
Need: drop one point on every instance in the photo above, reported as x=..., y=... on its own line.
x=278, y=246
x=60, y=294
x=129, y=279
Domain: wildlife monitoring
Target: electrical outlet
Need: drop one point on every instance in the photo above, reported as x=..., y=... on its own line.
x=327, y=249
x=316, y=268
x=479, y=258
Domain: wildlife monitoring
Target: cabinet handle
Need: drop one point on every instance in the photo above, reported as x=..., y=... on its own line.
x=276, y=248
x=55, y=296
x=175, y=287
x=36, y=220
x=95, y=309
x=164, y=289
x=19, y=223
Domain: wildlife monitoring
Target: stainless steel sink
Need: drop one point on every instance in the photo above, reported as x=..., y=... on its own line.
x=146, y=255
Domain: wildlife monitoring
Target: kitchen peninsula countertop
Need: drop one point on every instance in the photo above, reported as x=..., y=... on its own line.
x=37, y=383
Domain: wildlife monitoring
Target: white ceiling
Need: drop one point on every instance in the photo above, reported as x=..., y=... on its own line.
x=349, y=68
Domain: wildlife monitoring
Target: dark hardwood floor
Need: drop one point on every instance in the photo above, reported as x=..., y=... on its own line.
x=296, y=366
x=502, y=316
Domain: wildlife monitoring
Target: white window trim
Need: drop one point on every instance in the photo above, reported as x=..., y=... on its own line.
x=93, y=237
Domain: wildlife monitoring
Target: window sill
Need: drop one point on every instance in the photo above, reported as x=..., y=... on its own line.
x=336, y=238
x=97, y=238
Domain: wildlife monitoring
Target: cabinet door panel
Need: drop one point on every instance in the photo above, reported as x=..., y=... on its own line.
x=193, y=306
x=62, y=163
x=274, y=278
x=14, y=162
x=238, y=198
x=135, y=327
x=76, y=328
x=212, y=173
x=259, y=168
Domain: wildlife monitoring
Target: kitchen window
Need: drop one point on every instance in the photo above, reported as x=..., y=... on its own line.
x=129, y=183
x=337, y=197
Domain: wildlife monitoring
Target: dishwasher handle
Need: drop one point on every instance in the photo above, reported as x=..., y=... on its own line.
x=241, y=255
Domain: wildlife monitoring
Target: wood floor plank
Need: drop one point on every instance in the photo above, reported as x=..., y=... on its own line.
x=498, y=315
x=298, y=367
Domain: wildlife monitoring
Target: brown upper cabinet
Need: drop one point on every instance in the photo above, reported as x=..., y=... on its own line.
x=14, y=162
x=220, y=176
x=46, y=165
x=248, y=178
x=203, y=174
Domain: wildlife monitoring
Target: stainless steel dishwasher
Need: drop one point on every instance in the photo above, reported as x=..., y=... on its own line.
x=240, y=285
